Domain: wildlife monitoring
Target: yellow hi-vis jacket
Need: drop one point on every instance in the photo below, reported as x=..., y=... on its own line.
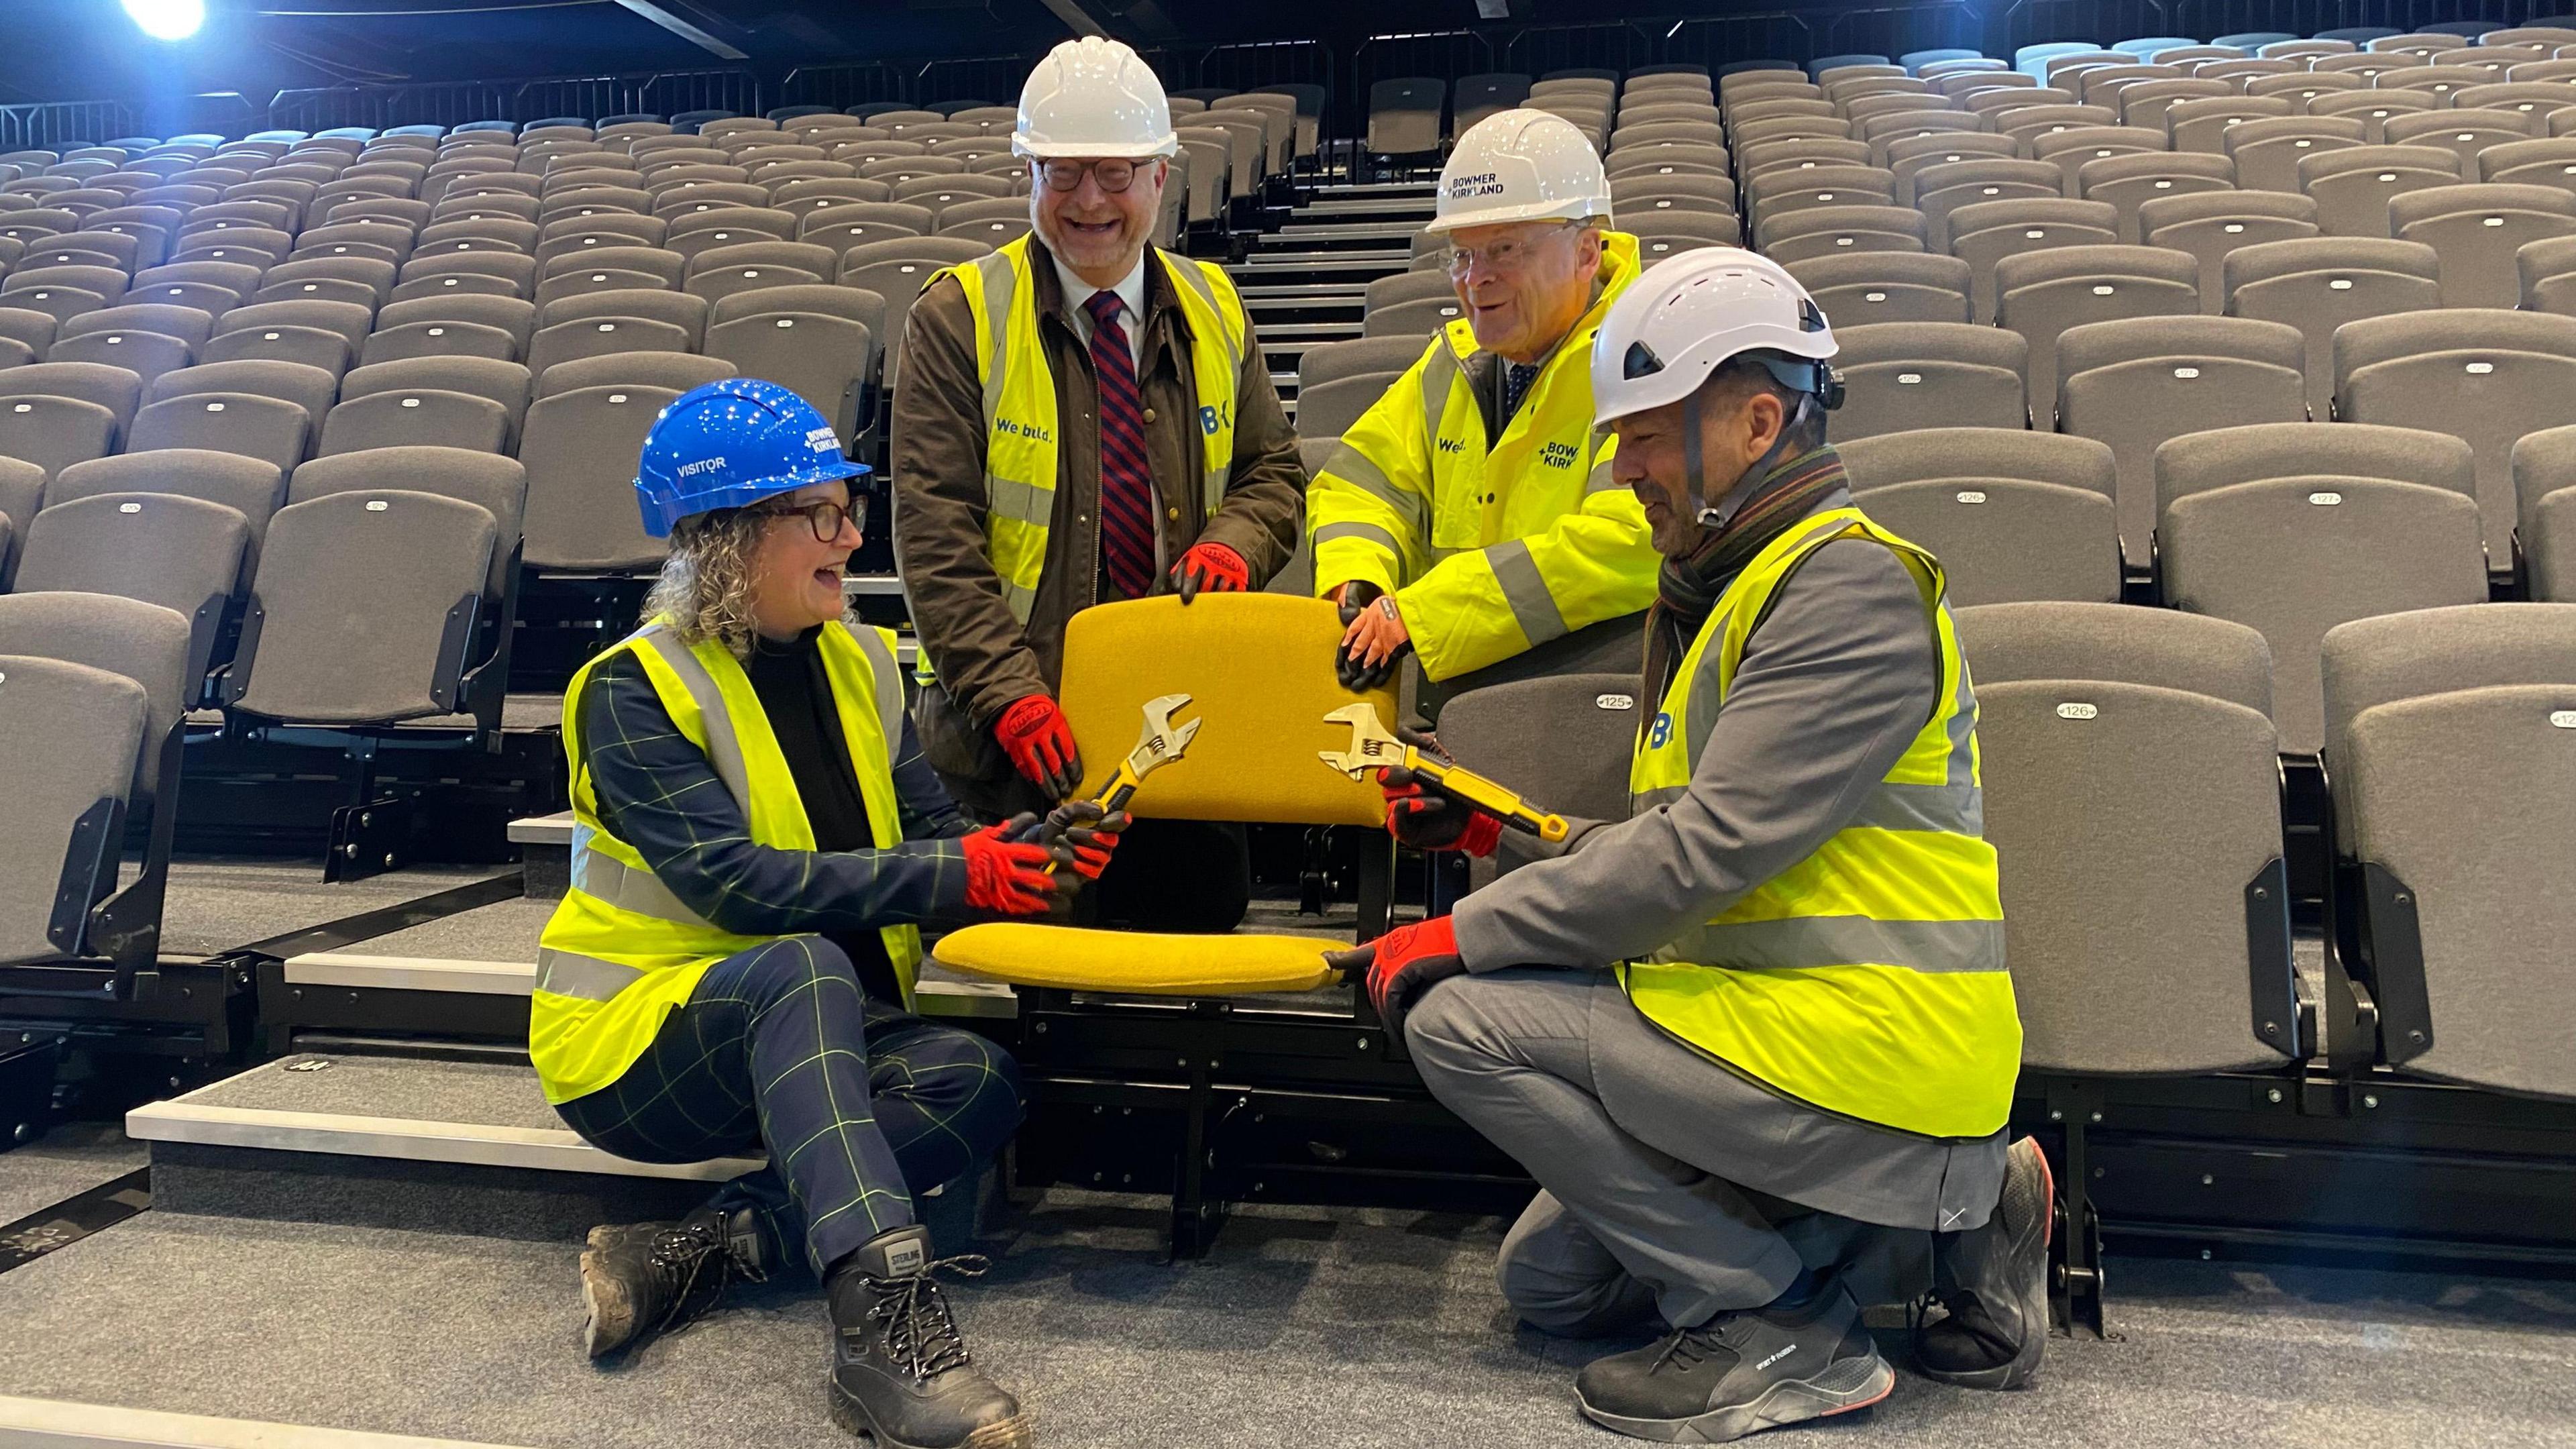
x=621, y=952
x=1489, y=549
x=1020, y=401
x=1868, y=979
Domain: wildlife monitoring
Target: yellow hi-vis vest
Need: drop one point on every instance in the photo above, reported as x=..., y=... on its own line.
x=1868, y=979
x=1020, y=400
x=1490, y=550
x=621, y=952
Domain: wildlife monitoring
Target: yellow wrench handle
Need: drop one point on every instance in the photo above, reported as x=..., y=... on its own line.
x=1487, y=796
x=1114, y=798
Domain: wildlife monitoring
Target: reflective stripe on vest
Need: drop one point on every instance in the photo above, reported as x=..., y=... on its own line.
x=1496, y=540
x=1868, y=978
x=621, y=949
x=1020, y=403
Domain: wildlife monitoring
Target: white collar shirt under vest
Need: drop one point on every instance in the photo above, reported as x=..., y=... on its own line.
x=1131, y=305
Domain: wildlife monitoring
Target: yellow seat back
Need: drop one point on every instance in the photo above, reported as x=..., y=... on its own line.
x=1259, y=671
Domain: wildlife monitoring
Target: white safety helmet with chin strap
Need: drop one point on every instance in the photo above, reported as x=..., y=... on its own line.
x=1094, y=99
x=1520, y=166
x=1688, y=316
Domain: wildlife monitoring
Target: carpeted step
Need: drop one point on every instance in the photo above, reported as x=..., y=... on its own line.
x=448, y=1146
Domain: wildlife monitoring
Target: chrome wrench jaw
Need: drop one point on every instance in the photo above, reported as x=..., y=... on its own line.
x=1162, y=742
x=1372, y=748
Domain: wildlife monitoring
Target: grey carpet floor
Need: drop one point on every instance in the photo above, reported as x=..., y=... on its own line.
x=69, y=1160
x=502, y=1094
x=216, y=904
x=1339, y=1330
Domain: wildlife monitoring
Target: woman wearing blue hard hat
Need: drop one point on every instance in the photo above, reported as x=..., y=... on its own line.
x=731, y=971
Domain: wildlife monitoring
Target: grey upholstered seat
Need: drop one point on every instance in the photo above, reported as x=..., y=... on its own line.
x=2013, y=515
x=2132, y=798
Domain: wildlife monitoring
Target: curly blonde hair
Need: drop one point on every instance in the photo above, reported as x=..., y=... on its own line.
x=705, y=585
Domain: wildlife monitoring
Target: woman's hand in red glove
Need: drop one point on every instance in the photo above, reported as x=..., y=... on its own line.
x=1039, y=740
x=1213, y=568
x=1083, y=837
x=1008, y=874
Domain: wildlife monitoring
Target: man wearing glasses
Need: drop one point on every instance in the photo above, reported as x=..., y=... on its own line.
x=1470, y=516
x=1080, y=419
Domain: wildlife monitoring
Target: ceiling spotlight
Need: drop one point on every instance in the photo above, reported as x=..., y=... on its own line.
x=167, y=19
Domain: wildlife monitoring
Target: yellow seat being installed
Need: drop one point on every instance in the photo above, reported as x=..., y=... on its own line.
x=1258, y=669
x=1141, y=962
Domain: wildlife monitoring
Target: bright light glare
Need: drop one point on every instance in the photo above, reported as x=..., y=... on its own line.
x=167, y=19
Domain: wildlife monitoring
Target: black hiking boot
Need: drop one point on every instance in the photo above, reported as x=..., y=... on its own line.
x=1993, y=1282
x=900, y=1369
x=1757, y=1369
x=640, y=1279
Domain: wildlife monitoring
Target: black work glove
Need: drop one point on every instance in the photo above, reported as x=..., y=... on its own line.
x=1356, y=676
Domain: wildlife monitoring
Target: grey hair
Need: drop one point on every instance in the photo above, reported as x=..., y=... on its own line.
x=705, y=585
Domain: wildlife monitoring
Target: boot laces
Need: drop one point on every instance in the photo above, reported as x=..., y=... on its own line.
x=911, y=1317
x=681, y=1255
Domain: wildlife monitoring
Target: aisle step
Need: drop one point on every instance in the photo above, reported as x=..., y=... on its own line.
x=1332, y=191
x=408, y=1142
x=1367, y=265
x=1286, y=291
x=417, y=1143
x=51, y=1424
x=1418, y=208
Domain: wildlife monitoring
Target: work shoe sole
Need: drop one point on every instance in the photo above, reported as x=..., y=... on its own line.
x=1015, y=1432
x=2029, y=1211
x=608, y=1308
x=1844, y=1385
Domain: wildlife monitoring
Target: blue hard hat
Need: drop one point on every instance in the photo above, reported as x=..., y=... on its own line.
x=731, y=443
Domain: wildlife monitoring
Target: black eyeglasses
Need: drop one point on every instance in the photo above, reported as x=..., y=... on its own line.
x=1113, y=175
x=823, y=516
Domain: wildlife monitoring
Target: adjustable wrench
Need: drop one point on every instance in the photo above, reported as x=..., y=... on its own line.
x=1161, y=744
x=1372, y=748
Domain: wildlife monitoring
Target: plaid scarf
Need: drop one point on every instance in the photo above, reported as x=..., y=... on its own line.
x=1689, y=586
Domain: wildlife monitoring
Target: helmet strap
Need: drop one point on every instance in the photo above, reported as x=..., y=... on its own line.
x=1716, y=515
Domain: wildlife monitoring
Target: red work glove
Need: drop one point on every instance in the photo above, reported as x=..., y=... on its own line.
x=1433, y=819
x=1082, y=837
x=1039, y=740
x=1212, y=567
x=1006, y=876
x=1402, y=964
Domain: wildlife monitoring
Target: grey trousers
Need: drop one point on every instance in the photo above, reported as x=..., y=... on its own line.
x=1544, y=1061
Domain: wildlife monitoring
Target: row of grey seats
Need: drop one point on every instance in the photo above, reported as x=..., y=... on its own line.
x=2132, y=794
x=2487, y=378
x=577, y=435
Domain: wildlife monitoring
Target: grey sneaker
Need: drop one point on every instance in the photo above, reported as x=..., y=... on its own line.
x=1744, y=1372
x=1992, y=1283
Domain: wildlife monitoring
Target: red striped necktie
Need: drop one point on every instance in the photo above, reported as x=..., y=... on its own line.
x=1126, y=485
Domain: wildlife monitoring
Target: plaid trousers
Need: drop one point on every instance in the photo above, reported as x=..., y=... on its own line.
x=858, y=1103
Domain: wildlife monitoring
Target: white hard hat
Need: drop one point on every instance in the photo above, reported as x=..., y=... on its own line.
x=1691, y=312
x=1520, y=166
x=1094, y=98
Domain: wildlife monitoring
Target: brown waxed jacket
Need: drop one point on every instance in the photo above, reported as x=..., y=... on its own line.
x=986, y=659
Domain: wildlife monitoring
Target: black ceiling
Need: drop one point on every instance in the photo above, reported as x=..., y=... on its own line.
x=88, y=49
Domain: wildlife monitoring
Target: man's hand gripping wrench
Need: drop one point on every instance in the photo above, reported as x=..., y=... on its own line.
x=1372, y=748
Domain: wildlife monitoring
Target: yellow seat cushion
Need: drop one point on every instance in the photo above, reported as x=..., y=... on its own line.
x=1073, y=959
x=1259, y=672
